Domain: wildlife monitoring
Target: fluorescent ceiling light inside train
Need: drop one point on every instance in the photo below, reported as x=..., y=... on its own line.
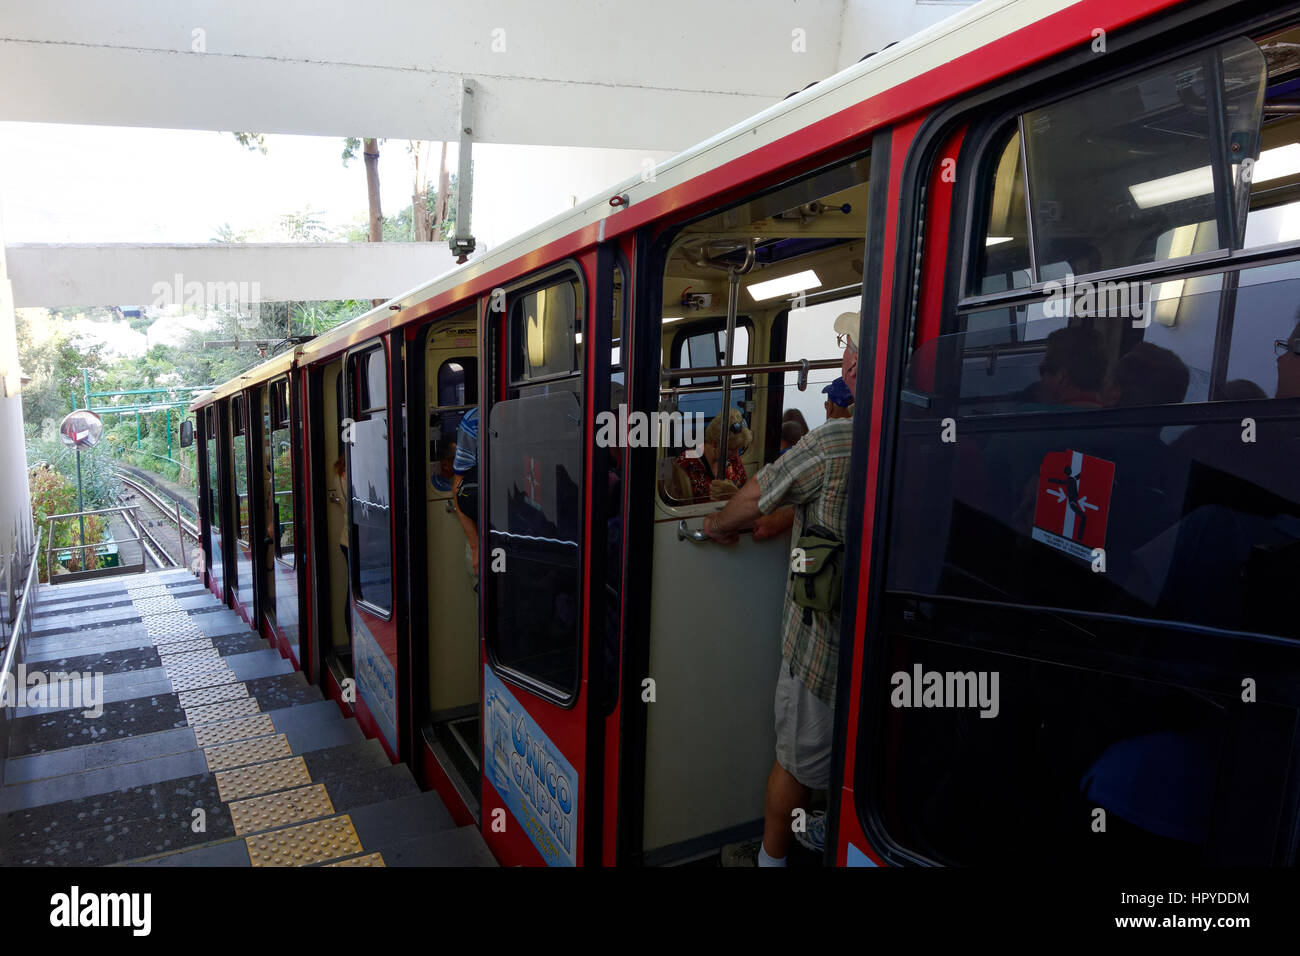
x=1277, y=163
x=799, y=282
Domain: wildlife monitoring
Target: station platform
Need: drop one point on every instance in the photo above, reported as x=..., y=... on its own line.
x=201, y=747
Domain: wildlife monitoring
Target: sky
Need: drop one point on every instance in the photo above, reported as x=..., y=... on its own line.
x=93, y=184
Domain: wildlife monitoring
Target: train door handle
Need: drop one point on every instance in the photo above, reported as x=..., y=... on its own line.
x=686, y=534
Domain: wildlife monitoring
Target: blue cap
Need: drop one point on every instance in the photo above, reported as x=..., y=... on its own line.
x=839, y=393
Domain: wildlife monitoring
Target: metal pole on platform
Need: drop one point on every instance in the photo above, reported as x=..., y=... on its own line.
x=180, y=535
x=81, y=506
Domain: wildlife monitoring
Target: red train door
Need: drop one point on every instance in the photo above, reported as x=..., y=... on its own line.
x=541, y=792
x=368, y=488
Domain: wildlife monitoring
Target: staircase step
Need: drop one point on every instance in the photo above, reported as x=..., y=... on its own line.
x=232, y=852
x=371, y=786
x=283, y=690
x=60, y=729
x=343, y=761
x=108, y=753
x=108, y=828
x=251, y=666
x=461, y=847
x=393, y=822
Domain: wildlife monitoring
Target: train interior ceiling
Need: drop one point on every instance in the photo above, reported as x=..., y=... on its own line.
x=709, y=736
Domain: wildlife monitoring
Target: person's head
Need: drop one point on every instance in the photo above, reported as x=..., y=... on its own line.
x=793, y=415
x=790, y=434
x=1148, y=375
x=1243, y=390
x=839, y=400
x=340, y=465
x=1288, y=366
x=846, y=334
x=1073, y=365
x=739, y=436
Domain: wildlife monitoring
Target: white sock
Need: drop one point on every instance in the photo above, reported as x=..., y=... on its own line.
x=765, y=860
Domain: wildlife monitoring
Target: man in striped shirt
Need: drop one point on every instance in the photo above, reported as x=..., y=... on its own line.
x=464, y=486
x=813, y=476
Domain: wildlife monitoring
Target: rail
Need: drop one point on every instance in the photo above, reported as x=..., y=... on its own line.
x=22, y=625
x=69, y=576
x=184, y=525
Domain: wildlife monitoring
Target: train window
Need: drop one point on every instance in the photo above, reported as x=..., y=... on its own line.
x=1135, y=172
x=214, y=473
x=370, y=555
x=458, y=382
x=239, y=466
x=534, y=497
x=545, y=332
x=282, y=472
x=1004, y=262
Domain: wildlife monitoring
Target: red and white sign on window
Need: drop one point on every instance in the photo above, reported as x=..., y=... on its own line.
x=1073, y=504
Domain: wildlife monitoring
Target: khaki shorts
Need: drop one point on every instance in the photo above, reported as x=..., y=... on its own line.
x=804, y=728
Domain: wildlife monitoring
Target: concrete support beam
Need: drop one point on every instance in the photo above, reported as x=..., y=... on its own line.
x=57, y=276
x=561, y=73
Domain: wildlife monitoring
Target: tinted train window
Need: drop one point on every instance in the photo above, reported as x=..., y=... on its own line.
x=282, y=472
x=534, y=503
x=1125, y=174
x=239, y=465
x=371, y=556
x=214, y=473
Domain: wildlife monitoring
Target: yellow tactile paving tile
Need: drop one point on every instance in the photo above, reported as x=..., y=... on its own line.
x=148, y=607
x=257, y=750
x=187, y=646
x=313, y=842
x=223, y=710
x=212, y=695
x=370, y=859
x=262, y=778
x=194, y=660
x=147, y=590
x=171, y=627
x=280, y=809
x=241, y=728
x=207, y=679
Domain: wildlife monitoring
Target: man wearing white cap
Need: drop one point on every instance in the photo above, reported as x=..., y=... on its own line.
x=813, y=476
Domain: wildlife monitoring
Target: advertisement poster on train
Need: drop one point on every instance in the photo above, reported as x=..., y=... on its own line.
x=535, y=782
x=376, y=681
x=1073, y=503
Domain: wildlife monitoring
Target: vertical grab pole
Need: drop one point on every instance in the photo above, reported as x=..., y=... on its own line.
x=733, y=295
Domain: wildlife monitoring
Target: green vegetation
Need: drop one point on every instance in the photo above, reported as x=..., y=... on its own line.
x=52, y=494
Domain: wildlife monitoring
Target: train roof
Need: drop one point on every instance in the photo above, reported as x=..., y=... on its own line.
x=928, y=51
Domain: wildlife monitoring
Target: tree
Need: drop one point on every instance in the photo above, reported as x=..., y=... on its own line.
x=370, y=152
x=54, y=359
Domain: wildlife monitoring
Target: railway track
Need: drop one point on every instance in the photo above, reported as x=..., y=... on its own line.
x=161, y=527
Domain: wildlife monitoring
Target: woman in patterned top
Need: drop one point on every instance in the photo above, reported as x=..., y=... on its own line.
x=697, y=479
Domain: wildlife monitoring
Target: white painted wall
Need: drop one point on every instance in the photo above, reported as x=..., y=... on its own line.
x=16, y=535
